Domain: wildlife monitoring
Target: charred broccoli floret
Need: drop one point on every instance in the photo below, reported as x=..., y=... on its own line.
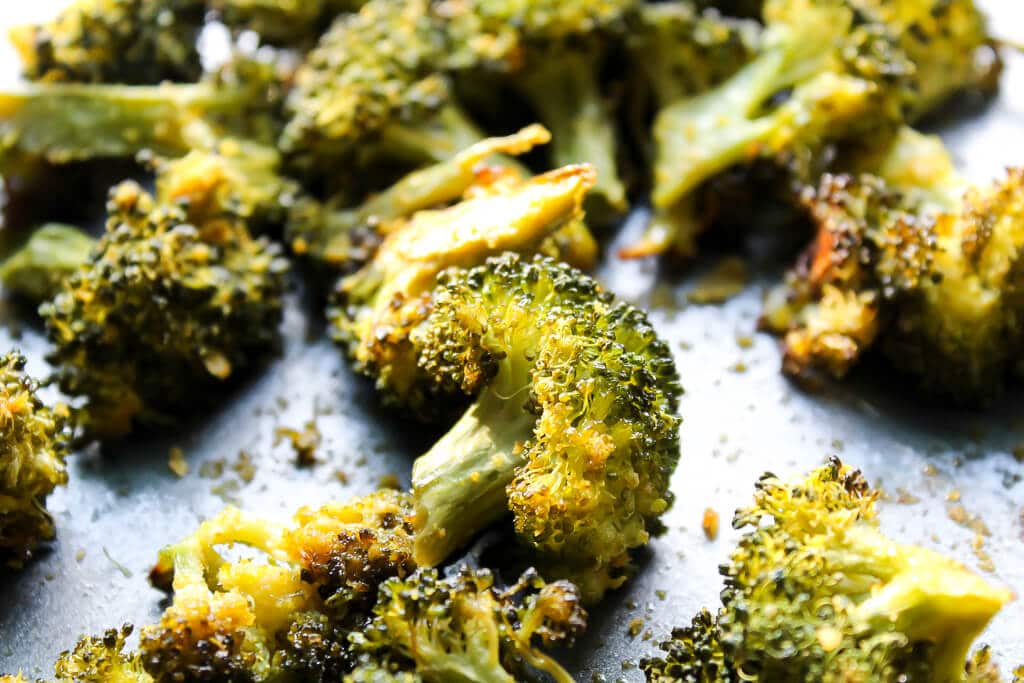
x=101, y=660
x=915, y=260
x=115, y=41
x=288, y=613
x=53, y=252
x=338, y=237
x=163, y=311
x=826, y=70
x=377, y=307
x=464, y=628
x=816, y=592
x=33, y=443
x=574, y=430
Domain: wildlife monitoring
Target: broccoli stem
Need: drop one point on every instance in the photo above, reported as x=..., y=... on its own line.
x=437, y=138
x=565, y=92
x=68, y=122
x=460, y=482
x=53, y=252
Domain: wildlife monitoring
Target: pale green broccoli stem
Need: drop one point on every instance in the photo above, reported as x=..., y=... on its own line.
x=435, y=139
x=69, y=122
x=564, y=91
x=459, y=484
x=926, y=596
x=52, y=253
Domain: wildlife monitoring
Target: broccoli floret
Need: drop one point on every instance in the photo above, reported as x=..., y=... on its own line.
x=163, y=311
x=283, y=22
x=826, y=70
x=102, y=660
x=33, y=443
x=337, y=237
x=376, y=308
x=816, y=592
x=464, y=628
x=373, y=70
x=916, y=261
x=53, y=252
x=681, y=51
x=574, y=430
x=115, y=41
x=288, y=614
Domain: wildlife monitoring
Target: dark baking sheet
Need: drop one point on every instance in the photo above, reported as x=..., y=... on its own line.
x=741, y=418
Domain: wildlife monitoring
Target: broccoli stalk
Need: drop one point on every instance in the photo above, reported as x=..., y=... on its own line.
x=52, y=253
x=563, y=87
x=816, y=592
x=573, y=430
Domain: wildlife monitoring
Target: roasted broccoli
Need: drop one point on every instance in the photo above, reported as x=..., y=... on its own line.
x=162, y=312
x=289, y=613
x=115, y=41
x=53, y=252
x=284, y=22
x=375, y=309
x=916, y=260
x=464, y=628
x=374, y=77
x=825, y=70
x=33, y=443
x=816, y=592
x=680, y=52
x=101, y=660
x=339, y=237
x=574, y=430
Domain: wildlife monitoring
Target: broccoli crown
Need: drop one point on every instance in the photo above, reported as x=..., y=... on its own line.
x=282, y=22
x=815, y=592
x=162, y=308
x=33, y=444
x=370, y=68
x=574, y=429
x=101, y=660
x=377, y=308
x=915, y=260
x=464, y=628
x=682, y=51
x=115, y=41
x=286, y=611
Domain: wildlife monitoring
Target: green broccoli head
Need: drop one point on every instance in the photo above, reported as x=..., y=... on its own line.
x=374, y=68
x=816, y=592
x=114, y=41
x=914, y=260
x=464, y=628
x=162, y=309
x=286, y=609
x=101, y=660
x=32, y=448
x=574, y=428
x=282, y=22
x=378, y=307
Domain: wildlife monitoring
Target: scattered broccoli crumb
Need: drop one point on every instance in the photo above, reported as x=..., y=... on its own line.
x=176, y=462
x=723, y=282
x=304, y=442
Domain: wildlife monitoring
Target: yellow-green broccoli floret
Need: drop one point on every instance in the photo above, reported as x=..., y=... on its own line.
x=574, y=430
x=115, y=41
x=288, y=611
x=464, y=628
x=101, y=660
x=816, y=592
x=163, y=311
x=910, y=257
x=33, y=443
x=376, y=308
